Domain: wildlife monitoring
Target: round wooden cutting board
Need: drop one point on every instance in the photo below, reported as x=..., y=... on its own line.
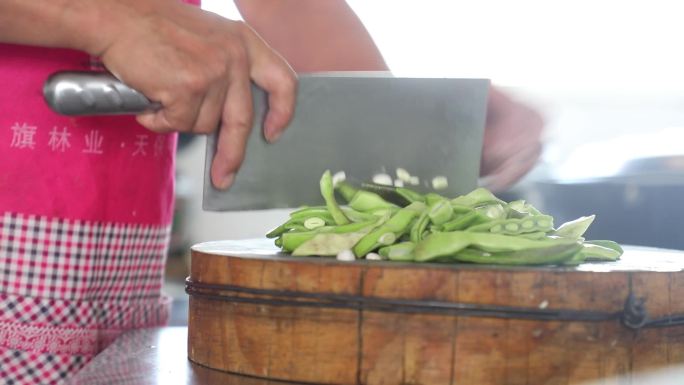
x=257, y=312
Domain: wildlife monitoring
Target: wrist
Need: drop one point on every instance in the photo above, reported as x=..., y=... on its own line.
x=93, y=25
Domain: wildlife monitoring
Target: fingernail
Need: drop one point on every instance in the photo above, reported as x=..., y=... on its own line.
x=226, y=181
x=273, y=136
x=271, y=132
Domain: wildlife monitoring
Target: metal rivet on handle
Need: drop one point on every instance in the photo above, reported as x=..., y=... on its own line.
x=113, y=95
x=87, y=98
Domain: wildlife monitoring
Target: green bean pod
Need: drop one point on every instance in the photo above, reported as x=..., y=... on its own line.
x=576, y=228
x=328, y=194
x=410, y=195
x=398, y=252
x=419, y=227
x=535, y=235
x=595, y=252
x=275, y=233
x=328, y=244
x=477, y=197
x=460, y=209
x=298, y=219
x=492, y=211
x=604, y=243
x=440, y=211
x=500, y=243
x=464, y=221
x=304, y=209
x=366, y=201
x=292, y=240
x=362, y=200
x=513, y=226
x=358, y=216
x=397, y=225
x=438, y=245
x=346, y=190
x=385, y=212
x=307, y=213
x=521, y=209
x=314, y=223
x=404, y=225
x=556, y=254
x=295, y=225
x=446, y=244
x=432, y=198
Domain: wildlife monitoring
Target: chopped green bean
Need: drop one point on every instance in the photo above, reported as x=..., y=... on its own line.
x=521, y=209
x=493, y=211
x=476, y=227
x=464, y=221
x=432, y=198
x=535, y=235
x=477, y=197
x=557, y=254
x=599, y=253
x=346, y=190
x=322, y=213
x=446, y=244
x=410, y=195
x=314, y=223
x=357, y=216
x=398, y=224
x=292, y=240
x=576, y=228
x=329, y=197
x=398, y=252
x=368, y=201
x=605, y=243
x=440, y=211
x=513, y=226
x=328, y=244
x=419, y=227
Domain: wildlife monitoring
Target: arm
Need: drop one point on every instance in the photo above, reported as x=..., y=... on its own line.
x=196, y=64
x=59, y=23
x=314, y=35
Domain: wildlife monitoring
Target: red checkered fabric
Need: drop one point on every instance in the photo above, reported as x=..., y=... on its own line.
x=70, y=259
x=21, y=367
x=69, y=288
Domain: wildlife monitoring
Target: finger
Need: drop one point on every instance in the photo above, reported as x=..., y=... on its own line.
x=270, y=72
x=281, y=86
x=209, y=115
x=518, y=129
x=513, y=169
x=236, y=124
x=177, y=115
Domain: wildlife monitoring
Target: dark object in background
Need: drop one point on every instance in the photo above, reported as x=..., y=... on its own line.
x=643, y=204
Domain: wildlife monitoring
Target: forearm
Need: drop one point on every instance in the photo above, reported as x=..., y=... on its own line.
x=314, y=35
x=86, y=25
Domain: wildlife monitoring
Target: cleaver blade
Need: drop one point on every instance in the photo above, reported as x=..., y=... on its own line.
x=364, y=125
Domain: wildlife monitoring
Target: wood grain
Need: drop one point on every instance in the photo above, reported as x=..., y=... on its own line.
x=302, y=342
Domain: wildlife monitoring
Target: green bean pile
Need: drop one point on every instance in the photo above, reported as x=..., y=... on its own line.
x=477, y=228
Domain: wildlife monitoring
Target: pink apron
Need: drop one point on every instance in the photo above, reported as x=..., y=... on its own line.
x=85, y=214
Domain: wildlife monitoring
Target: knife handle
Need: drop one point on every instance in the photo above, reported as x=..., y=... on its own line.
x=93, y=93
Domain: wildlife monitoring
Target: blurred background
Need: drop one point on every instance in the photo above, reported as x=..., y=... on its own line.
x=606, y=75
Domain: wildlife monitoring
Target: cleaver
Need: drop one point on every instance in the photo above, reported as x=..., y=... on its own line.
x=424, y=133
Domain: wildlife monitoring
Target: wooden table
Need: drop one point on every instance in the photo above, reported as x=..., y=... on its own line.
x=158, y=356
x=151, y=357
